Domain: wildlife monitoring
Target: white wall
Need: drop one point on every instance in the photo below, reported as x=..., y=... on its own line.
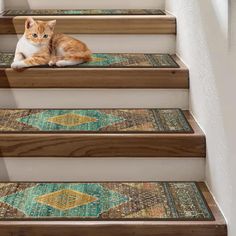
x=207, y=45
x=1, y=5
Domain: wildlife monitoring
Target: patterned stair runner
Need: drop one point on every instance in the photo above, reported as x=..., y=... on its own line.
x=104, y=201
x=94, y=120
x=46, y=12
x=115, y=60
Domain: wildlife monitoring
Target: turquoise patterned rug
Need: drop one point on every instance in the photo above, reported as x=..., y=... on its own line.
x=182, y=201
x=78, y=12
x=94, y=120
x=114, y=60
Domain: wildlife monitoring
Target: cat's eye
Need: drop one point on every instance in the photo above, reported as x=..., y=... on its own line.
x=35, y=35
x=45, y=36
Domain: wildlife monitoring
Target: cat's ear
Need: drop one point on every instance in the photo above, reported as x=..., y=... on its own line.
x=29, y=22
x=52, y=24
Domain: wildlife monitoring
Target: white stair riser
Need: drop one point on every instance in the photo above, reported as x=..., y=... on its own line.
x=94, y=98
x=102, y=169
x=92, y=4
x=112, y=43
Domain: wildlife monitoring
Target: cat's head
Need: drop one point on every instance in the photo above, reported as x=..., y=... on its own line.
x=39, y=32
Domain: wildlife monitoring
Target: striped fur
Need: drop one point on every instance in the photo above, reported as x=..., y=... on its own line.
x=41, y=46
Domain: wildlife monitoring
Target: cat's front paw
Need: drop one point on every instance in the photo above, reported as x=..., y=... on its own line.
x=61, y=63
x=16, y=65
x=52, y=63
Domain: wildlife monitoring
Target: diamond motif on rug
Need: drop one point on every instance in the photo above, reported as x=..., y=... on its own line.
x=71, y=120
x=65, y=199
x=69, y=200
x=84, y=120
x=101, y=59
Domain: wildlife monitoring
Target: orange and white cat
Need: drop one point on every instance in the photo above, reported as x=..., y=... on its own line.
x=41, y=46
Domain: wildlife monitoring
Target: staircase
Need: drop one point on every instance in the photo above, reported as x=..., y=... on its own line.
x=108, y=147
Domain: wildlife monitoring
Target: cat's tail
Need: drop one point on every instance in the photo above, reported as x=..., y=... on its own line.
x=72, y=58
x=85, y=56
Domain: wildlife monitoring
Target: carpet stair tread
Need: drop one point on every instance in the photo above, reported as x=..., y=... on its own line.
x=106, y=21
x=106, y=70
x=100, y=133
x=79, y=12
x=166, y=208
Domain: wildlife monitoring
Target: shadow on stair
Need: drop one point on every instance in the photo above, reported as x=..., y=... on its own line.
x=3, y=170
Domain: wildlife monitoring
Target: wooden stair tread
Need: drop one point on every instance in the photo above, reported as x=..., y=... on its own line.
x=127, y=132
x=144, y=75
x=97, y=24
x=214, y=226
